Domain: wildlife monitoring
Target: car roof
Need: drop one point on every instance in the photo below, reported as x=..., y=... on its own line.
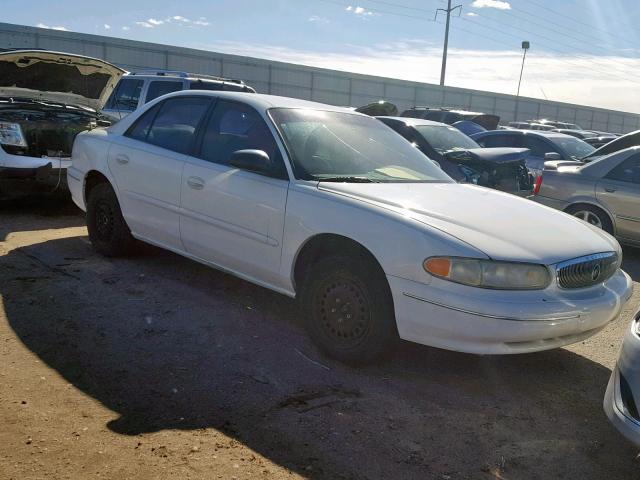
x=412, y=122
x=263, y=102
x=539, y=133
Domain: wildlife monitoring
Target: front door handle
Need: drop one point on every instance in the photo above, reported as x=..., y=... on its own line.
x=122, y=159
x=610, y=190
x=196, y=183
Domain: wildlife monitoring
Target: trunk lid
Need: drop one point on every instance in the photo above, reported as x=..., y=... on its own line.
x=58, y=77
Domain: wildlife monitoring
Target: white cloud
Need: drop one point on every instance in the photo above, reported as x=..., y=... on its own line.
x=499, y=4
x=180, y=18
x=360, y=11
x=317, y=19
x=144, y=24
x=126, y=28
x=155, y=22
x=472, y=14
x=55, y=27
x=488, y=70
x=107, y=26
x=202, y=21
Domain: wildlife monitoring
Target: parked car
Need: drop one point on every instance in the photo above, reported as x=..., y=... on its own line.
x=604, y=193
x=520, y=125
x=543, y=146
x=540, y=126
x=620, y=143
x=622, y=398
x=46, y=98
x=333, y=207
x=462, y=158
x=599, y=141
x=451, y=116
x=137, y=88
x=556, y=124
x=581, y=134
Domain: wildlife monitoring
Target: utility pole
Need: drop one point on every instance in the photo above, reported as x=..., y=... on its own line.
x=447, y=11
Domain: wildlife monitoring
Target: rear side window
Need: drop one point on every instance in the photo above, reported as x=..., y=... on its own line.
x=627, y=171
x=200, y=85
x=174, y=126
x=126, y=95
x=538, y=147
x=235, y=126
x=140, y=129
x=157, y=88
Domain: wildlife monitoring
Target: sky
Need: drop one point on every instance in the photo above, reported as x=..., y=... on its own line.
x=582, y=51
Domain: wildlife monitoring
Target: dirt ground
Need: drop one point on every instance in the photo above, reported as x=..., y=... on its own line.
x=158, y=367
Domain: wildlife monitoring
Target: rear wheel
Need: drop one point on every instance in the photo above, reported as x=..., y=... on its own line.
x=592, y=215
x=108, y=232
x=348, y=309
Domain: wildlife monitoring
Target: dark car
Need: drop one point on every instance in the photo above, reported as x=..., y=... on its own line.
x=451, y=116
x=462, y=158
x=599, y=141
x=543, y=146
x=619, y=143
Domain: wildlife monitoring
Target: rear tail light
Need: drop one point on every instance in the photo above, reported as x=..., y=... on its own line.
x=537, y=184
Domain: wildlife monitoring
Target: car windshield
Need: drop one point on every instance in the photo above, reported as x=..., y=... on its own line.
x=445, y=139
x=574, y=147
x=345, y=147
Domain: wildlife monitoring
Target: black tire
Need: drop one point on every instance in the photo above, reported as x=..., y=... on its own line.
x=599, y=214
x=108, y=231
x=348, y=309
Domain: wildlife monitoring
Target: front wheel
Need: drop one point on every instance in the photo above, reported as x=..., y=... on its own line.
x=348, y=309
x=108, y=231
x=592, y=215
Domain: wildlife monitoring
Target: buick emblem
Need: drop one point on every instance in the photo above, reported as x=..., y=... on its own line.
x=595, y=273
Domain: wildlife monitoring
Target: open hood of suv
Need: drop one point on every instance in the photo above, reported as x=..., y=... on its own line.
x=57, y=77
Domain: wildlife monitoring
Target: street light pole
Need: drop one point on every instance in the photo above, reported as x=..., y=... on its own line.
x=525, y=47
x=447, y=11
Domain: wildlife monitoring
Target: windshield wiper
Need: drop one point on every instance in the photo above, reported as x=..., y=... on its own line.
x=347, y=179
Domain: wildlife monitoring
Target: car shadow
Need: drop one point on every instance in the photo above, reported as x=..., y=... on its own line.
x=631, y=262
x=167, y=343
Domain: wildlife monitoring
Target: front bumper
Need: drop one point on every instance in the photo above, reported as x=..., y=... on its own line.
x=466, y=319
x=22, y=175
x=622, y=409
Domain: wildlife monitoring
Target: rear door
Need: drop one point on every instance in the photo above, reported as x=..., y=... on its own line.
x=619, y=191
x=147, y=163
x=231, y=217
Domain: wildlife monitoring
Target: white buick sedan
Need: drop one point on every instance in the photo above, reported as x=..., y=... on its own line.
x=336, y=209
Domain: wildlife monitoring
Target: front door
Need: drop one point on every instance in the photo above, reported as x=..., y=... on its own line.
x=230, y=217
x=619, y=191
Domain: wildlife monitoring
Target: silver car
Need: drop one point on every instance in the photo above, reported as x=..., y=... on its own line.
x=623, y=391
x=604, y=193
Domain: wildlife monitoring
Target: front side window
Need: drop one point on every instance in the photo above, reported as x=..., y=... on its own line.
x=345, y=147
x=174, y=126
x=126, y=95
x=157, y=88
x=627, y=171
x=537, y=146
x=235, y=126
x=445, y=139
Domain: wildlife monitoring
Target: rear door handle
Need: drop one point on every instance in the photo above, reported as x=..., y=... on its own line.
x=610, y=190
x=122, y=159
x=196, y=183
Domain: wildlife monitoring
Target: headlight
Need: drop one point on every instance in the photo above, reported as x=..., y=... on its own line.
x=11, y=134
x=489, y=273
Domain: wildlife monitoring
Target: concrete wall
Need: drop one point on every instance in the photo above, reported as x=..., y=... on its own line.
x=322, y=85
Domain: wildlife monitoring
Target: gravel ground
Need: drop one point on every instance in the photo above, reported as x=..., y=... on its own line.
x=158, y=367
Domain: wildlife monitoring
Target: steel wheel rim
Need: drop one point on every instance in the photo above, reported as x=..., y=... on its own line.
x=589, y=217
x=104, y=220
x=344, y=312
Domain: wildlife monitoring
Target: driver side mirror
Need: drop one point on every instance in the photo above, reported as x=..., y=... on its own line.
x=256, y=161
x=552, y=156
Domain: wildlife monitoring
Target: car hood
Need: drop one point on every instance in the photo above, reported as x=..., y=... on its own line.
x=59, y=77
x=492, y=155
x=502, y=226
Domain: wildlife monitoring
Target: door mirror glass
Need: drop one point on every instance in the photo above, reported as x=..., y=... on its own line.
x=552, y=156
x=256, y=161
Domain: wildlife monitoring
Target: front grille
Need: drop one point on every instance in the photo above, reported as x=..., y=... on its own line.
x=587, y=271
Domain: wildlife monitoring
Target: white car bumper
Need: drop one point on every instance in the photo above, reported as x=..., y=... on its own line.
x=622, y=407
x=22, y=174
x=466, y=319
